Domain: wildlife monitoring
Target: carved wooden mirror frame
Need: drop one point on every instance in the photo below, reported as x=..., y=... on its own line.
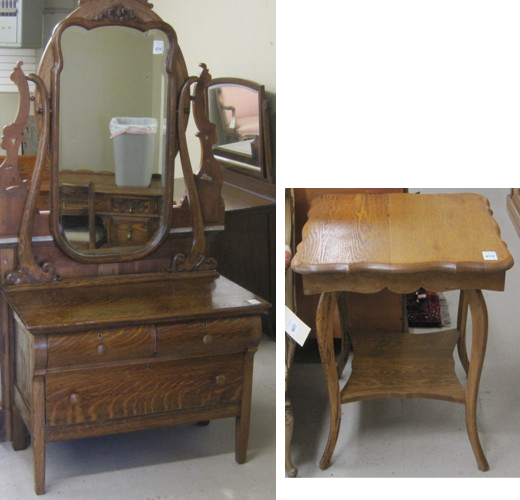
x=135, y=14
x=114, y=15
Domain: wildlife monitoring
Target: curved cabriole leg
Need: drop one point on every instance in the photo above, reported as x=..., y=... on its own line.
x=345, y=337
x=291, y=470
x=325, y=343
x=462, y=320
x=479, y=319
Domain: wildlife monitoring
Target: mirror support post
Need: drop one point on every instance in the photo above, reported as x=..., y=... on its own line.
x=30, y=271
x=209, y=172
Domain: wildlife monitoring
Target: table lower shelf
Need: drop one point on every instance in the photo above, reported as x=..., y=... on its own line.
x=404, y=365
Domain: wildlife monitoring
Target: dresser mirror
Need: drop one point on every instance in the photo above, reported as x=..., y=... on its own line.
x=111, y=198
x=111, y=137
x=238, y=108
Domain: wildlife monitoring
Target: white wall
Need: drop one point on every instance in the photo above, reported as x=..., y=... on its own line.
x=234, y=38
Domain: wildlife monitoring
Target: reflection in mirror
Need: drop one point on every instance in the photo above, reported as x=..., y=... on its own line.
x=235, y=109
x=112, y=140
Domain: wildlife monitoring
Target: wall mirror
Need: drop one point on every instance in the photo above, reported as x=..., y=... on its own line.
x=114, y=81
x=238, y=109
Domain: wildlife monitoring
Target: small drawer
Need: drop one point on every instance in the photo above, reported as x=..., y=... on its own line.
x=208, y=337
x=96, y=395
x=100, y=346
x=134, y=206
x=129, y=231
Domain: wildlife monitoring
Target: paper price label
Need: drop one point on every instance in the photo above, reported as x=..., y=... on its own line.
x=158, y=46
x=295, y=327
x=490, y=255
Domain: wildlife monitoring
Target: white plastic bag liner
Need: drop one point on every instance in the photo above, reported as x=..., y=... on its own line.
x=133, y=150
x=127, y=125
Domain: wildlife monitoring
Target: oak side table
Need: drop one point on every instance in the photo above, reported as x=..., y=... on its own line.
x=365, y=243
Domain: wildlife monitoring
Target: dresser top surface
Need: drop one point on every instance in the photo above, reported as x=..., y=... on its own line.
x=394, y=234
x=74, y=305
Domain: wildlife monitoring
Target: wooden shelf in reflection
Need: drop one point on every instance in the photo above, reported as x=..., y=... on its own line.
x=116, y=216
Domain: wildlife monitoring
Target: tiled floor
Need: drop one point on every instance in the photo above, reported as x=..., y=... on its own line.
x=424, y=438
x=184, y=462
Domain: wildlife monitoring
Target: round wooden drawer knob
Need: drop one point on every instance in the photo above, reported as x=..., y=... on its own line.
x=207, y=339
x=74, y=398
x=220, y=379
x=101, y=349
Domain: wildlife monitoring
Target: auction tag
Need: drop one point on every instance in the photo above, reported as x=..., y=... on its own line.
x=295, y=327
x=490, y=255
x=158, y=46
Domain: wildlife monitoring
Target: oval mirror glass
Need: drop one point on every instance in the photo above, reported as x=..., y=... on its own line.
x=111, y=157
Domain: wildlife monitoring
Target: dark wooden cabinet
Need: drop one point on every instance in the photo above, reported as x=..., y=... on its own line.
x=245, y=249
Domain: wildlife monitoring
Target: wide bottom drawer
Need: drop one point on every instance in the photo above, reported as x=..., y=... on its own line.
x=100, y=394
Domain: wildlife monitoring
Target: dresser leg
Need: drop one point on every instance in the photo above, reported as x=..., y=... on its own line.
x=479, y=318
x=242, y=421
x=38, y=436
x=19, y=436
x=324, y=335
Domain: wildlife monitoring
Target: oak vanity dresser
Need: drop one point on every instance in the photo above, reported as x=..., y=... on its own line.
x=103, y=353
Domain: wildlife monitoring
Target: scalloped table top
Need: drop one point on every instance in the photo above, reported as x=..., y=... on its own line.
x=367, y=242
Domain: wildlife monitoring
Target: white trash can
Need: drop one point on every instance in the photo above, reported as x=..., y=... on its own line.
x=133, y=150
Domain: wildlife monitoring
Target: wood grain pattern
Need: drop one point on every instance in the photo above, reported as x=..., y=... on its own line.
x=12, y=136
x=89, y=359
x=101, y=346
x=462, y=321
x=138, y=300
x=38, y=433
x=95, y=395
x=138, y=423
x=479, y=318
x=361, y=236
x=7, y=261
x=324, y=316
x=368, y=312
x=203, y=338
x=190, y=261
x=368, y=242
x=24, y=360
x=404, y=366
x=122, y=353
x=243, y=419
x=19, y=434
